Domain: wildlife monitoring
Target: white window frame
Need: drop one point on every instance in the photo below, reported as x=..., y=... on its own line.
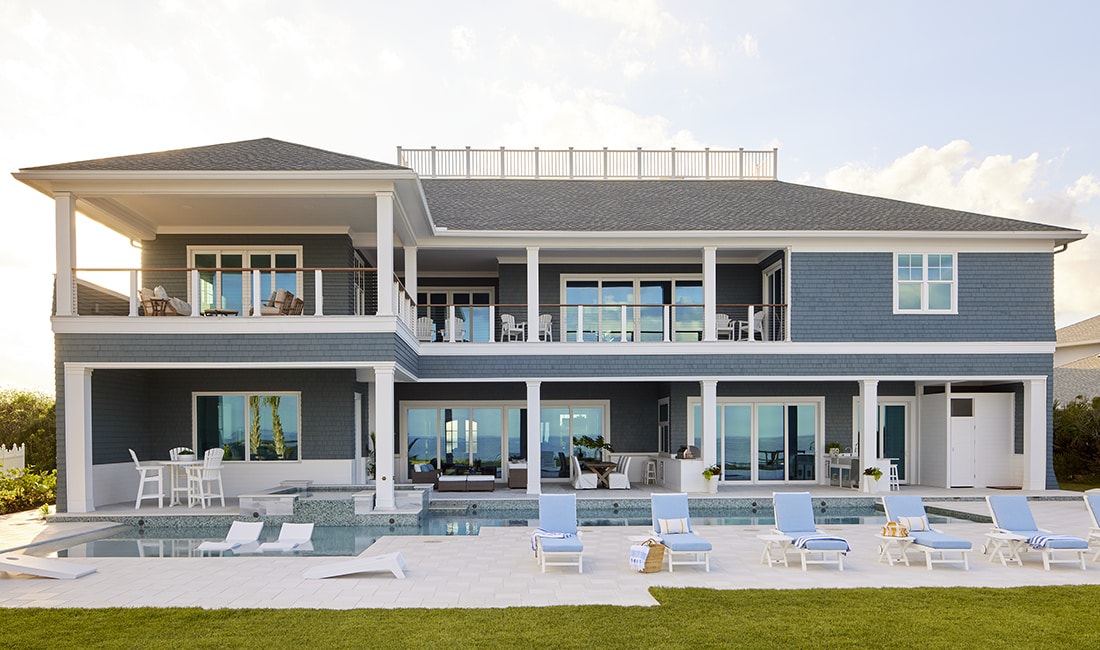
x=636, y=278
x=246, y=393
x=246, y=280
x=925, y=282
x=817, y=401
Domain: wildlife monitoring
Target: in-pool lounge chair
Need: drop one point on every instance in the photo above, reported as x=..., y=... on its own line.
x=363, y=563
x=672, y=525
x=243, y=537
x=292, y=537
x=556, y=541
x=1092, y=502
x=46, y=567
x=909, y=512
x=794, y=519
x=1014, y=530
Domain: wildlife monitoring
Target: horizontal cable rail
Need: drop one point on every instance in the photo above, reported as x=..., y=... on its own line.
x=602, y=163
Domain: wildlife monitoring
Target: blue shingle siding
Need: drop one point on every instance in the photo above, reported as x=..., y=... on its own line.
x=849, y=297
x=318, y=251
x=151, y=411
x=226, y=348
x=701, y=366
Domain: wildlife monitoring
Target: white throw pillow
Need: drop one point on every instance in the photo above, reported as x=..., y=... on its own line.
x=672, y=526
x=914, y=524
x=159, y=293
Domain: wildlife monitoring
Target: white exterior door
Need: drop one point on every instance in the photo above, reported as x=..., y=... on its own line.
x=962, y=442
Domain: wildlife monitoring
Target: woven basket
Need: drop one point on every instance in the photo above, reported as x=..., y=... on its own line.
x=656, y=557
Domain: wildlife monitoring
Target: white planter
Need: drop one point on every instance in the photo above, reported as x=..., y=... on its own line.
x=712, y=485
x=870, y=485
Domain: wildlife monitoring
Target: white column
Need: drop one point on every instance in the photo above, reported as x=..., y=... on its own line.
x=134, y=302
x=534, y=437
x=383, y=438
x=532, y=295
x=65, y=221
x=1036, y=408
x=318, y=293
x=868, y=424
x=257, y=299
x=384, y=281
x=358, y=472
x=78, y=440
x=410, y=271
x=710, y=292
x=709, y=389
x=193, y=280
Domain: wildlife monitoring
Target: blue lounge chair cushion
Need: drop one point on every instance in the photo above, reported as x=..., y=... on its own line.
x=826, y=545
x=561, y=544
x=794, y=513
x=939, y=541
x=1058, y=541
x=685, y=542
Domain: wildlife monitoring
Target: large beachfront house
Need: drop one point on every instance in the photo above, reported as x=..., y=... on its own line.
x=467, y=308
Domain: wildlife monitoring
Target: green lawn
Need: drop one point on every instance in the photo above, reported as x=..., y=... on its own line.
x=1077, y=487
x=1023, y=617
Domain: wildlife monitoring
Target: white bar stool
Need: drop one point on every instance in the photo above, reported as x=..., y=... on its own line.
x=895, y=483
x=650, y=475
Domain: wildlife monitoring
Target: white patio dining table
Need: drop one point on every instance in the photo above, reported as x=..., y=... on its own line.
x=177, y=470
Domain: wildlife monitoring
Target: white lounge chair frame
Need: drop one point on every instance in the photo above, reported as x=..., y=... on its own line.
x=927, y=550
x=1092, y=503
x=809, y=527
x=1002, y=538
x=363, y=563
x=45, y=567
x=241, y=536
x=557, y=515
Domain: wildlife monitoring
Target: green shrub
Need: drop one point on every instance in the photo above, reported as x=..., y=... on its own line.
x=1077, y=440
x=26, y=490
x=28, y=417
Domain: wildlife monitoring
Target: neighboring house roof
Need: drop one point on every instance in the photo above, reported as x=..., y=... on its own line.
x=264, y=154
x=1082, y=377
x=700, y=205
x=1087, y=331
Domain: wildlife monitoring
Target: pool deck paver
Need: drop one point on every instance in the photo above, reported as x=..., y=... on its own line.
x=497, y=569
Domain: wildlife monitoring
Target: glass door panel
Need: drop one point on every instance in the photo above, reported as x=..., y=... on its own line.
x=423, y=437
x=517, y=434
x=556, y=443
x=485, y=437
x=232, y=288
x=456, y=440
x=770, y=452
x=801, y=440
x=688, y=308
x=736, y=448
x=579, y=294
x=612, y=295
x=653, y=296
x=208, y=280
x=892, y=419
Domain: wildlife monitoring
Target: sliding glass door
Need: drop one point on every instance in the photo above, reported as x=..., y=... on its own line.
x=764, y=441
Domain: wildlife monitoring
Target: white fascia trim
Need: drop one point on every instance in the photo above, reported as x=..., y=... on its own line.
x=692, y=256
x=254, y=230
x=734, y=348
x=226, y=325
x=707, y=235
x=921, y=379
x=398, y=369
x=1073, y=344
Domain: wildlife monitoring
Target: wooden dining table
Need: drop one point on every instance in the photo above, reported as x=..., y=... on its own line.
x=603, y=471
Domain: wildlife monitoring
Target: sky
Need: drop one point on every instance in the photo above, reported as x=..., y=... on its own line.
x=980, y=105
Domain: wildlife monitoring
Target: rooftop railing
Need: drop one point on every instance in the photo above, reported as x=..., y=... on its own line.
x=607, y=164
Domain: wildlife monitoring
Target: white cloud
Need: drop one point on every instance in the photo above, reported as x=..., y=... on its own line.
x=640, y=21
x=998, y=185
x=699, y=56
x=634, y=69
x=749, y=46
x=463, y=41
x=389, y=61
x=562, y=117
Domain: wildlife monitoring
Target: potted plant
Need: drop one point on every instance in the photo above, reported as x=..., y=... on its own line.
x=833, y=449
x=593, y=445
x=871, y=476
x=711, y=474
x=186, y=453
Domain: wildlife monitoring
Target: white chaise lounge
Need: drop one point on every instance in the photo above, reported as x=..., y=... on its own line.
x=909, y=512
x=292, y=537
x=363, y=563
x=672, y=525
x=794, y=523
x=243, y=537
x=1014, y=530
x=556, y=541
x=46, y=567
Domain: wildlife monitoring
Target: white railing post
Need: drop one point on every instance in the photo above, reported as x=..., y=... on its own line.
x=706, y=163
x=752, y=324
x=319, y=293
x=134, y=293
x=775, y=163
x=639, y=162
x=433, y=162
x=536, y=162
x=570, y=159
x=741, y=163
x=467, y=162
x=492, y=324
x=196, y=308
x=451, y=323
x=673, y=174
x=666, y=326
x=580, y=323
x=605, y=163
x=622, y=324
x=671, y=322
x=257, y=301
x=502, y=162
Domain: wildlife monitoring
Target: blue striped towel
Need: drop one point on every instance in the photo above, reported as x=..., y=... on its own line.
x=542, y=532
x=800, y=542
x=1040, y=541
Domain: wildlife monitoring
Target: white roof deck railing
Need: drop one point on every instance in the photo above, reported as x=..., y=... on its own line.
x=591, y=163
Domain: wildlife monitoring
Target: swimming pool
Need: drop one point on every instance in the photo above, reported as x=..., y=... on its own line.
x=352, y=540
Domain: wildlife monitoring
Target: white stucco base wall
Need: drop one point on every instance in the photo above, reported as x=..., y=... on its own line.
x=118, y=482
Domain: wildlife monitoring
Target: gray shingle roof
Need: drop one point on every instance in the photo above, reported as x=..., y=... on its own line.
x=1071, y=382
x=1086, y=330
x=264, y=154
x=666, y=205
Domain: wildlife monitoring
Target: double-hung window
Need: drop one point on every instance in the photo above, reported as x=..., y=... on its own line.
x=925, y=283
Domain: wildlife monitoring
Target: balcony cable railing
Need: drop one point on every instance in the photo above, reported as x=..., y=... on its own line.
x=605, y=164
